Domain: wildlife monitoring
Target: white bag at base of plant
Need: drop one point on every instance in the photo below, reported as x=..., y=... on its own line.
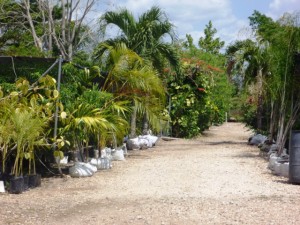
x=2, y=189
x=284, y=169
x=276, y=167
x=257, y=139
x=103, y=153
x=141, y=142
x=272, y=160
x=144, y=143
x=81, y=169
x=103, y=163
x=118, y=155
x=133, y=144
x=91, y=167
x=152, y=139
x=108, y=152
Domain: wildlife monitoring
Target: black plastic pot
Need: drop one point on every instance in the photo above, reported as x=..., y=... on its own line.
x=26, y=181
x=16, y=185
x=34, y=180
x=39, y=180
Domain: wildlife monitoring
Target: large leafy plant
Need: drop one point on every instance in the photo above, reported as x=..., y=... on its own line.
x=26, y=112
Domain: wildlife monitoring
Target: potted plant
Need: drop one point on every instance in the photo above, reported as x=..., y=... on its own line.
x=27, y=131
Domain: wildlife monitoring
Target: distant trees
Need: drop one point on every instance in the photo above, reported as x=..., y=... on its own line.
x=51, y=27
x=272, y=56
x=253, y=60
x=208, y=43
x=202, y=88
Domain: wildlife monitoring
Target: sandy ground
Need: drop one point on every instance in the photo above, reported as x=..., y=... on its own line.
x=214, y=179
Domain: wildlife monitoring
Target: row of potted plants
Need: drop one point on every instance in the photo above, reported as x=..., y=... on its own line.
x=24, y=115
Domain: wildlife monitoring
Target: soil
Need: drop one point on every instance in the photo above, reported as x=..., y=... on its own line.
x=214, y=179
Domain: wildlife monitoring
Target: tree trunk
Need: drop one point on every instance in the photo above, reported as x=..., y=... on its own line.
x=259, y=114
x=37, y=40
x=145, y=124
x=133, y=123
x=273, y=120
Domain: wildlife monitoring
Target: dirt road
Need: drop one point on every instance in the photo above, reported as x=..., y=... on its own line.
x=215, y=179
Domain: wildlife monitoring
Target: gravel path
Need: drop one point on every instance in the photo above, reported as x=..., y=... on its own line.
x=214, y=179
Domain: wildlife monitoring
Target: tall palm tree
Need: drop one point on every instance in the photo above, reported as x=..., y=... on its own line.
x=144, y=36
x=252, y=60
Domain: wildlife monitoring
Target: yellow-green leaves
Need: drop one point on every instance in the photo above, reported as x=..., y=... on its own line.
x=55, y=94
x=59, y=154
x=63, y=115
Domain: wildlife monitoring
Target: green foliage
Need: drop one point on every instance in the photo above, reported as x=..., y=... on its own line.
x=26, y=112
x=200, y=97
x=201, y=94
x=24, y=67
x=208, y=43
x=143, y=36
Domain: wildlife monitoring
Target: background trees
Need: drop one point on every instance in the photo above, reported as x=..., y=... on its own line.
x=48, y=27
x=208, y=43
x=273, y=59
x=202, y=88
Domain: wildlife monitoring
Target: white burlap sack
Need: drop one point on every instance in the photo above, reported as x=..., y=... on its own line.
x=257, y=139
x=133, y=144
x=284, y=169
x=118, y=155
x=152, y=139
x=80, y=170
x=272, y=160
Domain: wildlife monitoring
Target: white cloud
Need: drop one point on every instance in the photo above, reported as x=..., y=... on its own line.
x=278, y=7
x=278, y=4
x=191, y=16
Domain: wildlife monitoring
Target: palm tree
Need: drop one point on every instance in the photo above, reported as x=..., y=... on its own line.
x=6, y=127
x=143, y=36
x=91, y=120
x=253, y=61
x=132, y=78
x=27, y=131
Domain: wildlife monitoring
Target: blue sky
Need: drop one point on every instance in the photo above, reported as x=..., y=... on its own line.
x=229, y=17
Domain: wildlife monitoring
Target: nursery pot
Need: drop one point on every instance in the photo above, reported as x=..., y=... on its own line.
x=294, y=159
x=26, y=180
x=34, y=180
x=16, y=185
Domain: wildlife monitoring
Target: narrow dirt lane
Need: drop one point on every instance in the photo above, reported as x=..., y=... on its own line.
x=215, y=179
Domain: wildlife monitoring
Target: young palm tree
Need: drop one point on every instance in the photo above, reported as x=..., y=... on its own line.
x=27, y=130
x=6, y=127
x=88, y=121
x=131, y=78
